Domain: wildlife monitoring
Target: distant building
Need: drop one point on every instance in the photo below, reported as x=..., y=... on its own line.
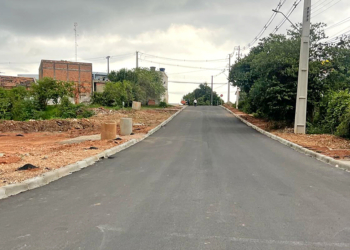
x=10, y=82
x=77, y=72
x=99, y=81
x=165, y=97
x=35, y=76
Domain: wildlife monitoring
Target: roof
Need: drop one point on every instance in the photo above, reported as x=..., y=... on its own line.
x=14, y=81
x=64, y=61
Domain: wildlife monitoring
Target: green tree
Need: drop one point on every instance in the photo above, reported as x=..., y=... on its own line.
x=50, y=89
x=203, y=96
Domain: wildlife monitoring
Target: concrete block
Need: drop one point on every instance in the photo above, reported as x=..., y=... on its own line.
x=91, y=160
x=73, y=167
x=64, y=171
x=14, y=189
x=35, y=182
x=50, y=177
x=82, y=164
x=109, y=130
x=2, y=193
x=136, y=105
x=125, y=126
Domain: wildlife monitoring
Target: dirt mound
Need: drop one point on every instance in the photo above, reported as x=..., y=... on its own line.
x=48, y=125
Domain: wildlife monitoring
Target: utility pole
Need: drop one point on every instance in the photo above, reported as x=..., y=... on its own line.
x=212, y=83
x=137, y=59
x=76, y=42
x=108, y=64
x=237, y=98
x=239, y=52
x=301, y=104
x=229, y=85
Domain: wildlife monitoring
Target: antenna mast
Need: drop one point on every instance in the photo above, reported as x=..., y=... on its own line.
x=76, y=43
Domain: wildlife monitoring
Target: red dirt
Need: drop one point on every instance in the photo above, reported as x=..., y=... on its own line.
x=330, y=145
x=42, y=149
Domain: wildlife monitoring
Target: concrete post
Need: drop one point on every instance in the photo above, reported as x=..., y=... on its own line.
x=109, y=130
x=237, y=98
x=125, y=126
x=136, y=105
x=301, y=105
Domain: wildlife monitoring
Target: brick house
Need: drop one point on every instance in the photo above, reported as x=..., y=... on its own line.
x=10, y=82
x=77, y=72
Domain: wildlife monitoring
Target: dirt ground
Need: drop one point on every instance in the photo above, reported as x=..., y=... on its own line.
x=40, y=142
x=330, y=145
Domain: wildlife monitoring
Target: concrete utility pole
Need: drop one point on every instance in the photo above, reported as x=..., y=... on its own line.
x=229, y=85
x=108, y=64
x=212, y=83
x=137, y=59
x=239, y=52
x=301, y=105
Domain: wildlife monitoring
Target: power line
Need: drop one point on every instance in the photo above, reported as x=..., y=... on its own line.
x=338, y=23
x=184, y=66
x=327, y=8
x=273, y=16
x=187, y=72
x=291, y=10
x=183, y=60
x=104, y=57
x=184, y=82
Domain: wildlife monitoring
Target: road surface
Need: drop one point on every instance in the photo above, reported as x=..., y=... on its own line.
x=205, y=181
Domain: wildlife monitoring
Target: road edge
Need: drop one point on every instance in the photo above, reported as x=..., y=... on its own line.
x=46, y=178
x=323, y=158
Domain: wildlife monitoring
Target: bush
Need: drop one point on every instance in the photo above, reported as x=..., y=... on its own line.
x=343, y=129
x=68, y=110
x=338, y=104
x=163, y=105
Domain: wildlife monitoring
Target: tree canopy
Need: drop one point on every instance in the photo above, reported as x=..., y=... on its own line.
x=203, y=96
x=268, y=75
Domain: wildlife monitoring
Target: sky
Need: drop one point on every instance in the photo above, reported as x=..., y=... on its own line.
x=199, y=33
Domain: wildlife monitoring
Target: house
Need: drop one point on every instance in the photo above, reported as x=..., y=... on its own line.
x=10, y=82
x=99, y=81
x=77, y=72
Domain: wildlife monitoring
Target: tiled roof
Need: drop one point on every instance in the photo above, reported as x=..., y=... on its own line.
x=14, y=81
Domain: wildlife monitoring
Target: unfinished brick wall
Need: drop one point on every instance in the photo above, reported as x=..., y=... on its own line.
x=77, y=72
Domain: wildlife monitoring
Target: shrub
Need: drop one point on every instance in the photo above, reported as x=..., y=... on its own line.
x=343, y=129
x=68, y=110
x=338, y=104
x=163, y=104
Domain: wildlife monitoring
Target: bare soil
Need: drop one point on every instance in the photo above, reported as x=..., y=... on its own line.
x=330, y=145
x=38, y=142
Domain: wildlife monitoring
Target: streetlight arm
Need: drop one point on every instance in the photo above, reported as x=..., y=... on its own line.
x=277, y=11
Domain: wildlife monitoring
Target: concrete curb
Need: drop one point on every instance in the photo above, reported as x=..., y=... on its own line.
x=56, y=174
x=326, y=159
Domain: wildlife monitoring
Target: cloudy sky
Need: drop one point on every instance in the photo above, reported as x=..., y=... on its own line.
x=189, y=30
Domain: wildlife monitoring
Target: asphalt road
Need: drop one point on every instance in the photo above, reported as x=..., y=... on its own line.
x=205, y=181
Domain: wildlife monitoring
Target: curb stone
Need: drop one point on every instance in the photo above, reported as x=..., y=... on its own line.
x=46, y=178
x=326, y=159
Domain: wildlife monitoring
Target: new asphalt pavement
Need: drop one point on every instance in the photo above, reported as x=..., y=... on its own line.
x=204, y=181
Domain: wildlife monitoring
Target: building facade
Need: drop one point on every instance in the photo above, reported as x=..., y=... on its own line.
x=10, y=82
x=165, y=97
x=77, y=72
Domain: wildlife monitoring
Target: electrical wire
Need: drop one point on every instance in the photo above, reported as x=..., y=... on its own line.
x=183, y=60
x=273, y=16
x=326, y=9
x=183, y=66
x=183, y=82
x=289, y=13
x=338, y=23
